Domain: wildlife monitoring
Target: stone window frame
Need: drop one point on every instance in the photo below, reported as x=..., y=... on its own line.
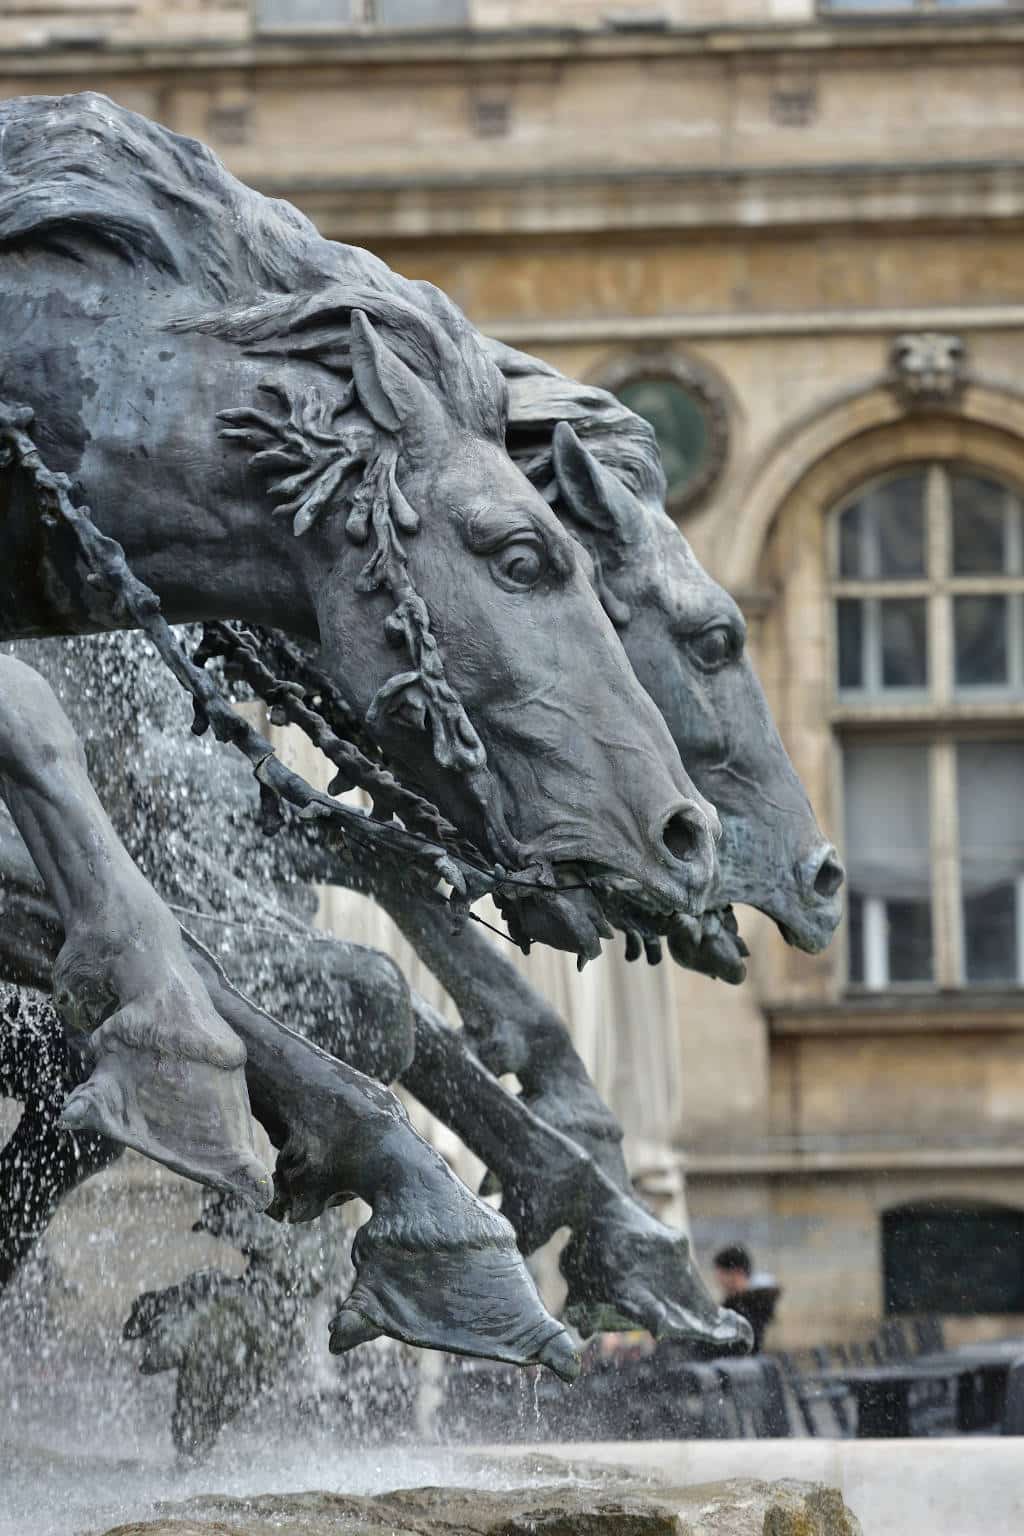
x=795, y=645
x=937, y=587
x=710, y=394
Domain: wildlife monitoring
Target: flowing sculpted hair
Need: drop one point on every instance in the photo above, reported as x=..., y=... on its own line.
x=540, y=397
x=86, y=179
x=81, y=174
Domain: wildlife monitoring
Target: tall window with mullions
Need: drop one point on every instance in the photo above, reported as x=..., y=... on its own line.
x=928, y=594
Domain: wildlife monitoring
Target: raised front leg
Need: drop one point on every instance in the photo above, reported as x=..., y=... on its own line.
x=555, y=1150
x=624, y=1268
x=435, y=1266
x=168, y=1075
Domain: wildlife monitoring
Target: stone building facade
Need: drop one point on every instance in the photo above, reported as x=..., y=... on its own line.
x=795, y=238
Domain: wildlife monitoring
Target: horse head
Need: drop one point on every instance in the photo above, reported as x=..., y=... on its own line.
x=453, y=609
x=457, y=614
x=685, y=638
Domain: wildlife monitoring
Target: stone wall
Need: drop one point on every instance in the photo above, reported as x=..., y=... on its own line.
x=95, y=24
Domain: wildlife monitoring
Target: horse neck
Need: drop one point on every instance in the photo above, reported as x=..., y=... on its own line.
x=235, y=562
x=240, y=564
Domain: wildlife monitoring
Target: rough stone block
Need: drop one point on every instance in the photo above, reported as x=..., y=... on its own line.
x=610, y=1505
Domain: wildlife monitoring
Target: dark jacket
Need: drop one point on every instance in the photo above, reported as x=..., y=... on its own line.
x=757, y=1304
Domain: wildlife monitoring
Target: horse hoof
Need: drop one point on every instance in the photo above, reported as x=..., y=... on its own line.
x=628, y=1270
x=349, y=1329
x=193, y=1119
x=560, y=1356
x=470, y=1295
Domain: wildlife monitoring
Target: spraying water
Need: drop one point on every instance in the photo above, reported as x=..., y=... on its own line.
x=227, y=1310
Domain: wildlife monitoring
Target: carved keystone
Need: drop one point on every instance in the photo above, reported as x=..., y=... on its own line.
x=928, y=367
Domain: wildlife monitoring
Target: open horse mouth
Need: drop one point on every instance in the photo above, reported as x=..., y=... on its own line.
x=585, y=906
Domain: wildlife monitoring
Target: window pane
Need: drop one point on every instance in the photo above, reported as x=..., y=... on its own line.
x=296, y=13
x=904, y=642
x=899, y=507
x=980, y=638
x=850, y=628
x=881, y=536
x=855, y=938
x=980, y=509
x=419, y=13
x=910, y=940
x=850, y=542
x=888, y=860
x=870, y=5
x=990, y=935
x=990, y=796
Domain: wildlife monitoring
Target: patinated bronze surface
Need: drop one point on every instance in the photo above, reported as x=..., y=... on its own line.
x=319, y=385
x=198, y=360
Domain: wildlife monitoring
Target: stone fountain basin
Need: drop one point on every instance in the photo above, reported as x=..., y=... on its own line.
x=607, y=1504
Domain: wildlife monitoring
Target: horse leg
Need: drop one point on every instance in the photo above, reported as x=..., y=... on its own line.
x=168, y=1076
x=624, y=1268
x=556, y=1149
x=434, y=1266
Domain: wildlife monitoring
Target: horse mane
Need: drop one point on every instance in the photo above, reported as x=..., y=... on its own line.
x=80, y=174
x=540, y=397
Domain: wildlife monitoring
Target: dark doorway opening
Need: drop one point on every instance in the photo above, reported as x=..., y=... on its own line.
x=953, y=1258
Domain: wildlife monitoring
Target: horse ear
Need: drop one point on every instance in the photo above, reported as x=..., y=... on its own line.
x=594, y=498
x=388, y=391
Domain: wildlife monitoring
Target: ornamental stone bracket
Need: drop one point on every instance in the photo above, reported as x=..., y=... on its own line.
x=928, y=368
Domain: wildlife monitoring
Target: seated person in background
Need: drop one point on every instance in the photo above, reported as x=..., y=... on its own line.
x=753, y=1296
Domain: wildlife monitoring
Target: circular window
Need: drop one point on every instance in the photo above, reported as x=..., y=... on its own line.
x=688, y=414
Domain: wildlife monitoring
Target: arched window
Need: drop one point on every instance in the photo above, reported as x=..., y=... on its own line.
x=928, y=592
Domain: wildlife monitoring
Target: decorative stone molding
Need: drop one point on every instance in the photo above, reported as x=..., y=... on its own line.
x=705, y=390
x=928, y=367
x=825, y=453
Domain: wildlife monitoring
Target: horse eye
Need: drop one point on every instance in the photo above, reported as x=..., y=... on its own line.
x=519, y=565
x=714, y=647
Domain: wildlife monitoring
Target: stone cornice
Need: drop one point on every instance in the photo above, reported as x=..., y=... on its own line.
x=950, y=33
x=625, y=330
x=969, y=1012
x=550, y=203
x=776, y=1162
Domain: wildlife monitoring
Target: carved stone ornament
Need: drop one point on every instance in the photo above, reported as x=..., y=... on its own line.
x=705, y=392
x=928, y=367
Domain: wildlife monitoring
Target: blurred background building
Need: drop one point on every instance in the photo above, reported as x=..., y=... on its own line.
x=793, y=237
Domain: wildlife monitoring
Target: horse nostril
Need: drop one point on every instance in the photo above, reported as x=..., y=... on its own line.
x=684, y=836
x=829, y=875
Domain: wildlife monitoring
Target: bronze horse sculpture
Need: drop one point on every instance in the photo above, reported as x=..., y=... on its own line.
x=140, y=275
x=597, y=464
x=151, y=302
x=313, y=452
x=622, y=1264
x=684, y=637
